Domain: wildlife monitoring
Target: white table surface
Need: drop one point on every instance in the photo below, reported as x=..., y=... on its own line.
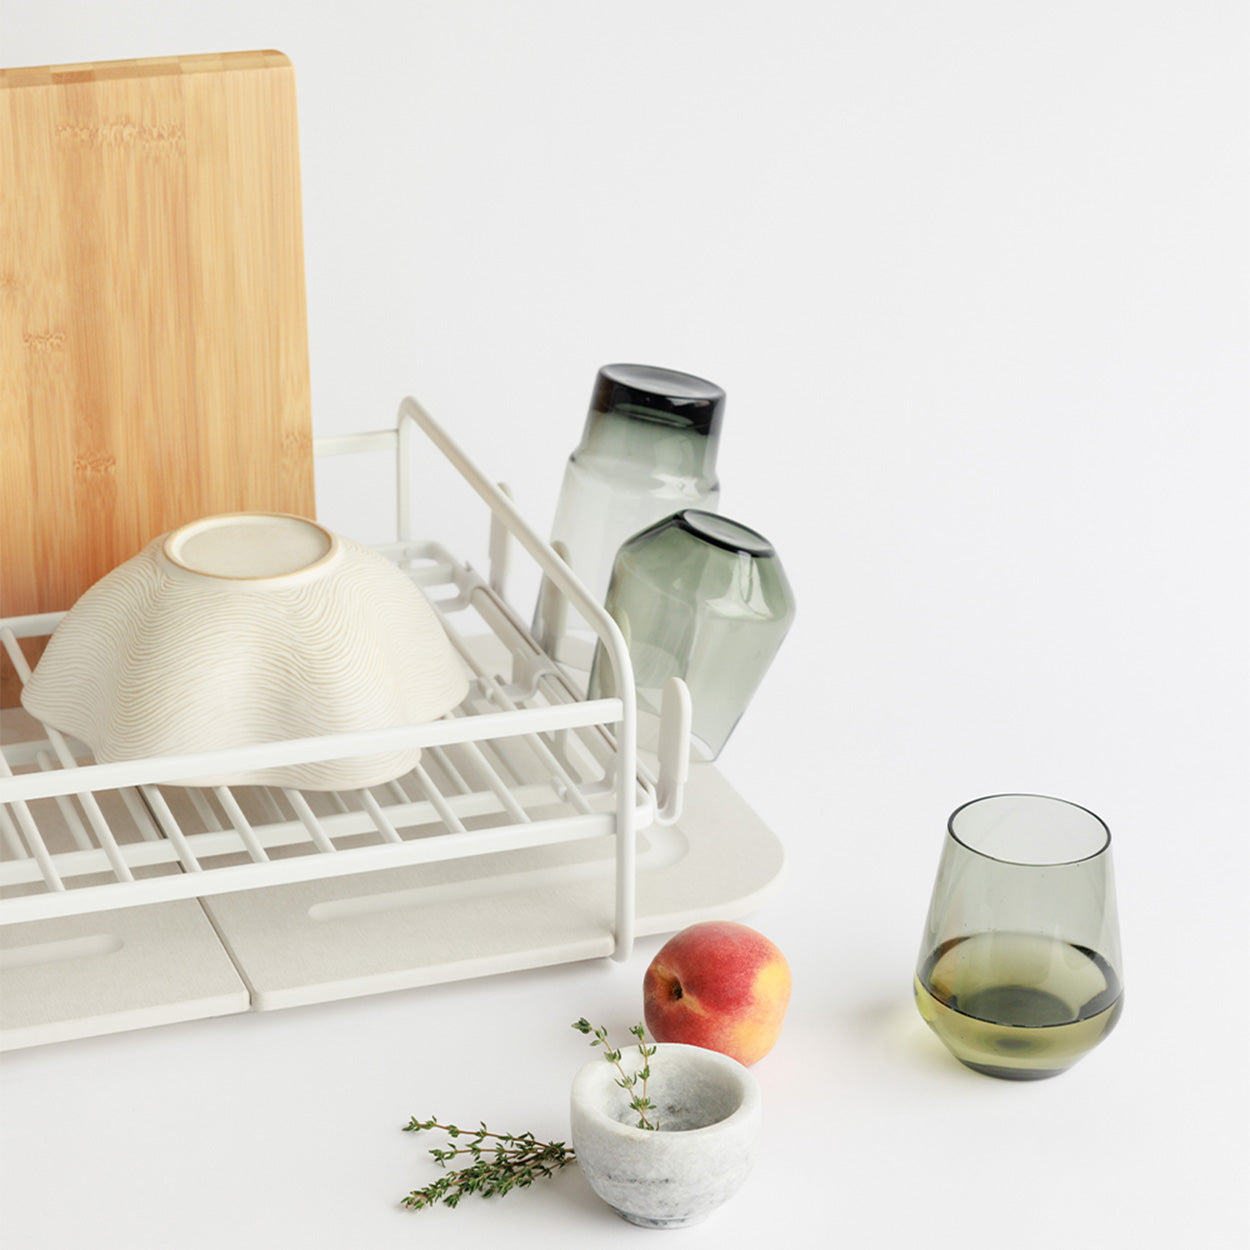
x=974, y=276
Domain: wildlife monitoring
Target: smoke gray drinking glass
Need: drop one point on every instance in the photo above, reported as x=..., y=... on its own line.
x=704, y=598
x=648, y=448
x=1019, y=969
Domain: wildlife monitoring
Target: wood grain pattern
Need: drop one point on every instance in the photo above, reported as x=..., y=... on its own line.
x=153, y=324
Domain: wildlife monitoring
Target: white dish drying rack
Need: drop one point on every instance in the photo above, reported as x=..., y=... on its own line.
x=530, y=833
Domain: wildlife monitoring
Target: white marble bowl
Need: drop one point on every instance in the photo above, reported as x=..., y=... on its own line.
x=248, y=628
x=708, y=1116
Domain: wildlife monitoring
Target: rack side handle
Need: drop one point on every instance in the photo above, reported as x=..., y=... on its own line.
x=674, y=751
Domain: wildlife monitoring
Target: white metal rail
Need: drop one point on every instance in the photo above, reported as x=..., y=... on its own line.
x=524, y=761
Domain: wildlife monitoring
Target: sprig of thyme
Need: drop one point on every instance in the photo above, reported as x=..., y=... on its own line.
x=502, y=1162
x=512, y=1162
x=628, y=1081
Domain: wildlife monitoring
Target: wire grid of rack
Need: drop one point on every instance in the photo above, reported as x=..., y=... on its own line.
x=524, y=761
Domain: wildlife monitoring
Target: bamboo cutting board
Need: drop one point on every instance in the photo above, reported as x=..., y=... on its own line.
x=153, y=325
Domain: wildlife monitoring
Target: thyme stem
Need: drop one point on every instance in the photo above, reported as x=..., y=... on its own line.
x=627, y=1081
x=515, y=1161
x=501, y=1162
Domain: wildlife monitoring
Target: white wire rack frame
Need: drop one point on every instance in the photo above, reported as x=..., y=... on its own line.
x=524, y=761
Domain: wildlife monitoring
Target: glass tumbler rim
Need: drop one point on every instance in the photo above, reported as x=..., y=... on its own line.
x=721, y=531
x=651, y=394
x=1101, y=849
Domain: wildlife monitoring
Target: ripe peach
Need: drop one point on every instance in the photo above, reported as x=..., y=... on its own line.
x=719, y=985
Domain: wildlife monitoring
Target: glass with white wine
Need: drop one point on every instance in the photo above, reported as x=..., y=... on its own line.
x=1019, y=969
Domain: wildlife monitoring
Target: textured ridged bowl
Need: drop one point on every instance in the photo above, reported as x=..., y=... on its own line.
x=708, y=1116
x=248, y=628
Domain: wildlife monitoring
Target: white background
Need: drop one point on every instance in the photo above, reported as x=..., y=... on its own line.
x=974, y=276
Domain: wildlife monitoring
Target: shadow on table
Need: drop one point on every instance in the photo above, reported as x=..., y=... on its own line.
x=893, y=1029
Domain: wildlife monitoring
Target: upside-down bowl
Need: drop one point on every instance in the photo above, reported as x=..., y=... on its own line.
x=242, y=629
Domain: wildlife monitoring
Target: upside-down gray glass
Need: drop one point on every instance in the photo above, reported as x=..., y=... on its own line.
x=700, y=597
x=648, y=448
x=1019, y=968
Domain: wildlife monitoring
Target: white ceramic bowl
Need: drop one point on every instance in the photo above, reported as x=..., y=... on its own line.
x=242, y=629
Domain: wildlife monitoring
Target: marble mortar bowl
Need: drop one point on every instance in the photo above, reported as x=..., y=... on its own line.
x=708, y=1116
x=248, y=628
